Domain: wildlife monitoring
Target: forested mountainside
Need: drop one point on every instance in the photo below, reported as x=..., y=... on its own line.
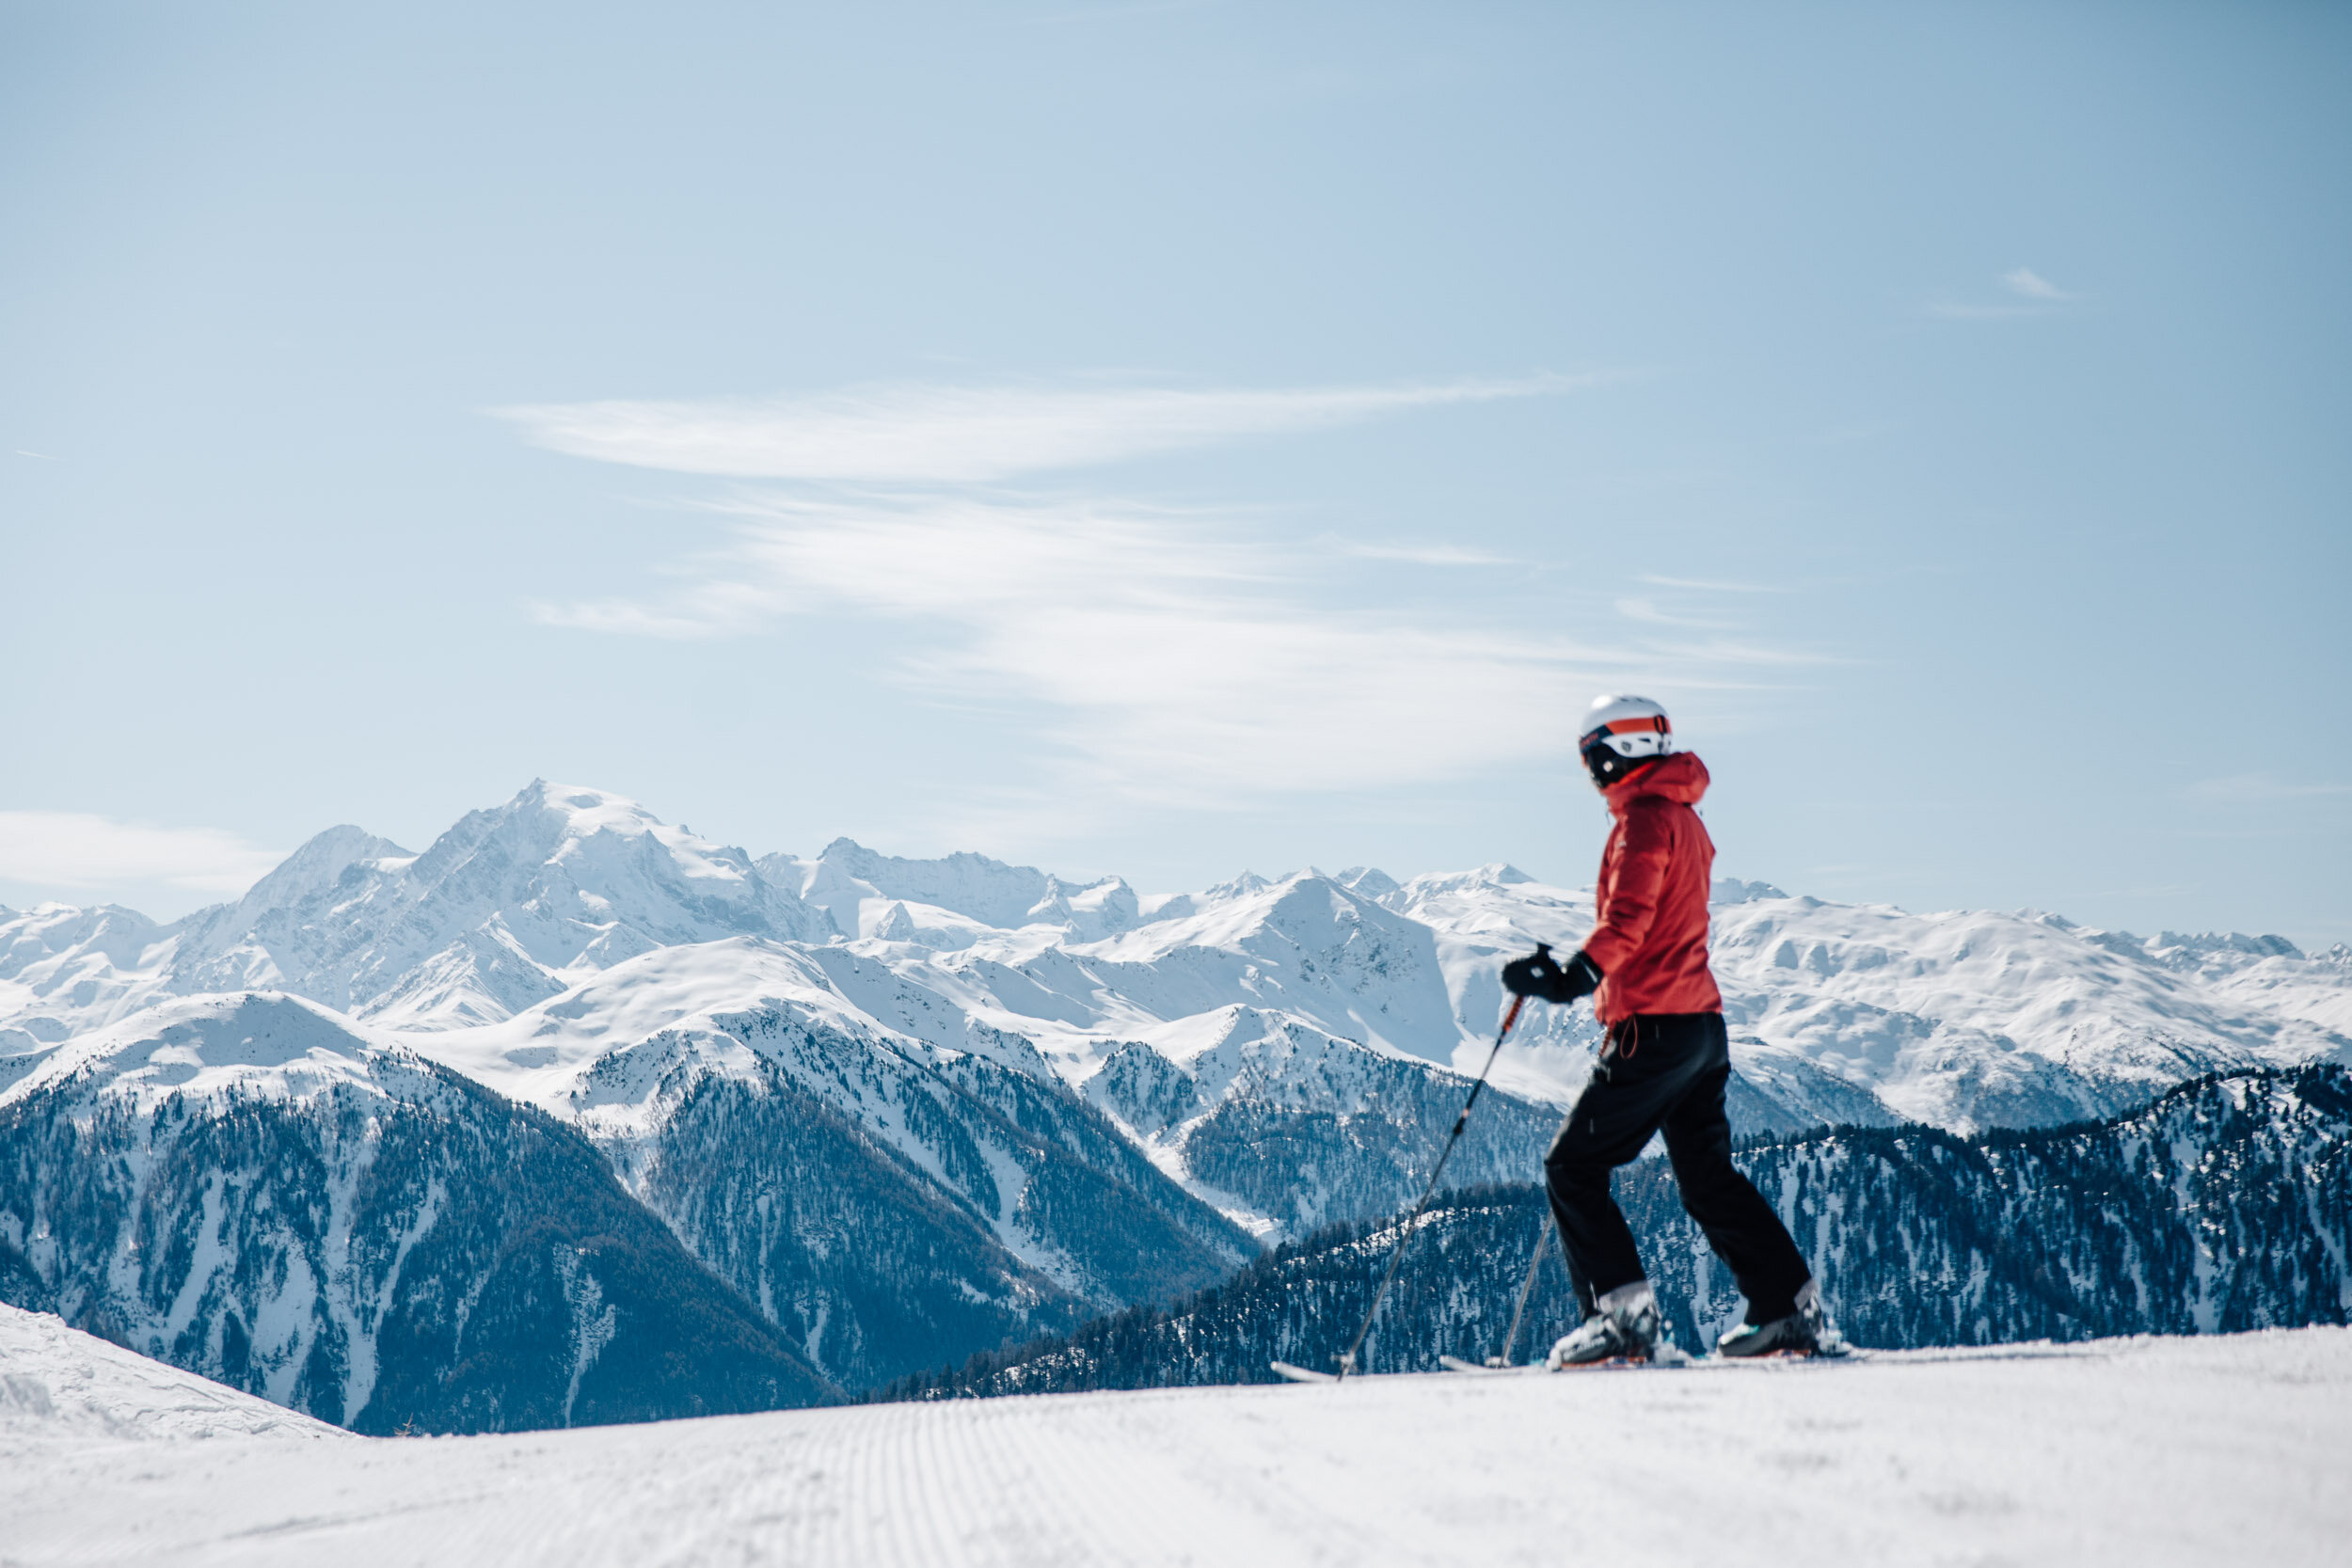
x=876, y=1200
x=1005, y=1205
x=878, y=1205
x=240, y=1189
x=2225, y=1205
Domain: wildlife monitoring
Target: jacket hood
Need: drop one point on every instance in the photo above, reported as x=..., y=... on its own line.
x=1678, y=776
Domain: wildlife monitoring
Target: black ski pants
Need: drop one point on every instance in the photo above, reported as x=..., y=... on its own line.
x=1665, y=1071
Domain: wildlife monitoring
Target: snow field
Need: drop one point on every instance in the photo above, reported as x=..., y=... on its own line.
x=58, y=1386
x=2141, y=1451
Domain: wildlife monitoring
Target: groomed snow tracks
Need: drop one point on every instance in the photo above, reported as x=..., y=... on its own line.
x=2139, y=1452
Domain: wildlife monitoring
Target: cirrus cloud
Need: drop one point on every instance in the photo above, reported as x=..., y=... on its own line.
x=79, y=850
x=2043, y=298
x=940, y=433
x=2030, y=284
x=1158, y=656
x=1172, y=656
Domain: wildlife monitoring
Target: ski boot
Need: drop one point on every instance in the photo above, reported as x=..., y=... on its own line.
x=1623, y=1328
x=1807, y=1331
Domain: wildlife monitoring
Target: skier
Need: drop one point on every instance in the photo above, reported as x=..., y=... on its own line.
x=1664, y=1062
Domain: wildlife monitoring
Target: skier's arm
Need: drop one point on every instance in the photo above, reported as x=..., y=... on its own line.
x=1624, y=925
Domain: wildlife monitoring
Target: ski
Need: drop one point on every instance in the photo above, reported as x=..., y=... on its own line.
x=1841, y=1352
x=1667, y=1356
x=1455, y=1364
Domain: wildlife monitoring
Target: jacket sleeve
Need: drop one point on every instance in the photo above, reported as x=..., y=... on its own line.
x=1644, y=846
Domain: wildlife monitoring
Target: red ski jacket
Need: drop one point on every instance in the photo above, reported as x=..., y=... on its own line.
x=1649, y=935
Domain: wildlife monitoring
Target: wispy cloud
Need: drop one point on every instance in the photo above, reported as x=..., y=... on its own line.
x=2043, y=298
x=1419, y=555
x=920, y=433
x=74, y=850
x=1152, y=654
x=2032, y=285
x=1722, y=611
x=1706, y=585
x=1647, y=612
x=1172, y=657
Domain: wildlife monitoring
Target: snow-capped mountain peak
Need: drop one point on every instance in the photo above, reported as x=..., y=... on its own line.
x=256, y=1043
x=558, y=881
x=979, y=889
x=1238, y=887
x=497, y=914
x=319, y=865
x=229, y=944
x=1838, y=1011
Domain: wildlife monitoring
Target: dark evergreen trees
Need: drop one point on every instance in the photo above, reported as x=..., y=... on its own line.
x=408, y=1253
x=2225, y=1205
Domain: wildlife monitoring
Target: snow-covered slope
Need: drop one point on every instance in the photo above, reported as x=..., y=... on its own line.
x=2133, y=1453
x=952, y=900
x=1975, y=1019
x=2264, y=971
x=58, y=1382
x=1844, y=1012
x=744, y=1096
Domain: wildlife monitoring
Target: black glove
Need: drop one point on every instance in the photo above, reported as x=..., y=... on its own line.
x=1542, y=976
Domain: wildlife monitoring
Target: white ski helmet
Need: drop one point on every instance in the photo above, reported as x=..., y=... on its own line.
x=1620, y=734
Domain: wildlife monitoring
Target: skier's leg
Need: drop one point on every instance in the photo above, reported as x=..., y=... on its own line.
x=1618, y=1113
x=1742, y=1227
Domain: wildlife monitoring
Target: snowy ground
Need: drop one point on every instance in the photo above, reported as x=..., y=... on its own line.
x=2134, y=1451
x=60, y=1390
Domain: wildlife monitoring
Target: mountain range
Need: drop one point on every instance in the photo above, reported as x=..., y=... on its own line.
x=872, y=1114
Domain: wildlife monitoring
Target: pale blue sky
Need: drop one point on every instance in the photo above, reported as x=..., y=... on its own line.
x=1175, y=438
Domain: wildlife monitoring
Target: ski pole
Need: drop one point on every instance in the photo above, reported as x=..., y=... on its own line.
x=1348, y=1361
x=1534, y=1261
